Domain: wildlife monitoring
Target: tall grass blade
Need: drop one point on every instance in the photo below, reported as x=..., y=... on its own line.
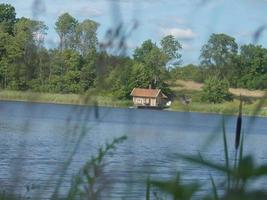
x=148, y=189
x=241, y=147
x=209, y=164
x=226, y=155
x=214, y=188
x=240, y=157
x=237, y=138
x=176, y=189
x=238, y=126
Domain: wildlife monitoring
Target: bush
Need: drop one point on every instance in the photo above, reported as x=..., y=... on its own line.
x=216, y=91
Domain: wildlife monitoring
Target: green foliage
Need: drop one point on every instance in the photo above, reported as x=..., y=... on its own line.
x=141, y=76
x=7, y=18
x=171, y=47
x=86, y=37
x=216, y=90
x=253, y=74
x=90, y=180
x=150, y=55
x=176, y=188
x=78, y=65
x=238, y=176
x=246, y=69
x=65, y=27
x=188, y=72
x=217, y=54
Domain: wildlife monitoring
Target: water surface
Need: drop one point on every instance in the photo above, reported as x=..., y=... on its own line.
x=37, y=139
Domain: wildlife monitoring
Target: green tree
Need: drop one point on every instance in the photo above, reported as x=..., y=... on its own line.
x=86, y=36
x=88, y=72
x=140, y=53
x=253, y=67
x=141, y=76
x=171, y=47
x=7, y=17
x=42, y=71
x=151, y=56
x=20, y=61
x=218, y=53
x=22, y=51
x=188, y=72
x=5, y=40
x=66, y=28
x=120, y=82
x=71, y=72
x=216, y=90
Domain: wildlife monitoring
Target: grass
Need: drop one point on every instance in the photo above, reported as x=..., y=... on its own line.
x=82, y=99
x=228, y=108
x=193, y=91
x=194, y=86
x=91, y=98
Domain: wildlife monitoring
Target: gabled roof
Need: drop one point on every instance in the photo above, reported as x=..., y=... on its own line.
x=141, y=92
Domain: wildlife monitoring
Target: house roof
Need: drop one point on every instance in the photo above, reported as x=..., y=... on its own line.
x=141, y=92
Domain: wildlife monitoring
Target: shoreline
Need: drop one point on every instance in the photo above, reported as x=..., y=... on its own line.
x=228, y=108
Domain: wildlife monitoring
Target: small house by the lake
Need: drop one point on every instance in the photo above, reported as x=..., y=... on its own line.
x=148, y=97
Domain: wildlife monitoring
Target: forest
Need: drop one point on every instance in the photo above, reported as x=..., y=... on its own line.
x=80, y=63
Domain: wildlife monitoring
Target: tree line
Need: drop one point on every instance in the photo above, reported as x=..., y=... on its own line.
x=244, y=66
x=78, y=64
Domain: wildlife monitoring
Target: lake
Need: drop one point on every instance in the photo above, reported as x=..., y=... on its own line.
x=37, y=139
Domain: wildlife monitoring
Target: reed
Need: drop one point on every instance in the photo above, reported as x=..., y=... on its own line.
x=238, y=125
x=89, y=182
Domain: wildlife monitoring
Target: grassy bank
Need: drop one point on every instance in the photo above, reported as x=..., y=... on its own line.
x=85, y=99
x=253, y=100
x=92, y=98
x=229, y=108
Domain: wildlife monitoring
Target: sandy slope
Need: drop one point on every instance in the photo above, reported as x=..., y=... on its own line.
x=191, y=85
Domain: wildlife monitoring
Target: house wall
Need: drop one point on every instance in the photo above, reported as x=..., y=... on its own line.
x=159, y=101
x=139, y=101
x=144, y=101
x=153, y=102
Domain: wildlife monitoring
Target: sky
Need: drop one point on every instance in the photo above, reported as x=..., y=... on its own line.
x=191, y=22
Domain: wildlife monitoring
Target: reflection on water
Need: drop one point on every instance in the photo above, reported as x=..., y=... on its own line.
x=36, y=139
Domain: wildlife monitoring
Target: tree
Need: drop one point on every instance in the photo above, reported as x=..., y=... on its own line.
x=66, y=28
x=151, y=61
x=150, y=55
x=217, y=54
x=7, y=17
x=140, y=53
x=86, y=36
x=42, y=71
x=5, y=40
x=171, y=47
x=253, y=62
x=22, y=51
x=141, y=76
x=216, y=90
x=188, y=72
x=120, y=81
x=88, y=72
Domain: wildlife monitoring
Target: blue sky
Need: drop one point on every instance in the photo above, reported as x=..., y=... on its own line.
x=190, y=21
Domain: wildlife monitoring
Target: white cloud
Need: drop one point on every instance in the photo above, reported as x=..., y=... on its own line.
x=179, y=33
